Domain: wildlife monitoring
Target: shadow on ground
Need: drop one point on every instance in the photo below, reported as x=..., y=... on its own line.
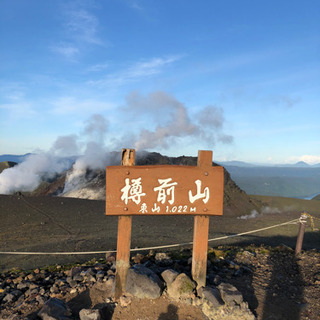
x=275, y=290
x=285, y=289
x=171, y=314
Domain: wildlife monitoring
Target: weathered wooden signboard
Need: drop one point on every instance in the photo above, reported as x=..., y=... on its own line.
x=163, y=190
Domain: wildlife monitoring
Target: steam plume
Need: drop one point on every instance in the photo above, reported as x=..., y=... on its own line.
x=65, y=145
x=265, y=210
x=95, y=154
x=172, y=121
x=27, y=175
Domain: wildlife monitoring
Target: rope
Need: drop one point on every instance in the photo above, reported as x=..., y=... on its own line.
x=151, y=248
x=304, y=216
x=257, y=230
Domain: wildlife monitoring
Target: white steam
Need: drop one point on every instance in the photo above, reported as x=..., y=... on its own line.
x=95, y=154
x=172, y=121
x=27, y=175
x=264, y=210
x=254, y=213
x=169, y=117
x=66, y=145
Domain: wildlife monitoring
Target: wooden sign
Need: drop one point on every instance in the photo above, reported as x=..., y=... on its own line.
x=164, y=190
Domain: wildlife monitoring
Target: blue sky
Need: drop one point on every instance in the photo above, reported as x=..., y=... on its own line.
x=241, y=78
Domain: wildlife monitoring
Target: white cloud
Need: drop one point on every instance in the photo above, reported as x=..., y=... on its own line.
x=136, y=71
x=68, y=51
x=146, y=68
x=12, y=91
x=136, y=6
x=82, y=25
x=239, y=60
x=80, y=28
x=98, y=67
x=19, y=109
x=70, y=105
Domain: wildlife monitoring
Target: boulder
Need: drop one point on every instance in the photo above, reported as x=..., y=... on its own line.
x=181, y=288
x=230, y=307
x=169, y=276
x=227, y=312
x=55, y=309
x=101, y=291
x=211, y=295
x=230, y=294
x=143, y=283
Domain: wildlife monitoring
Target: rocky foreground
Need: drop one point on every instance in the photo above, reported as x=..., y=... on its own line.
x=242, y=283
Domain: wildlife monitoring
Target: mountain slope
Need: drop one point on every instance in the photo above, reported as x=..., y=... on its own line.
x=91, y=184
x=316, y=197
x=6, y=164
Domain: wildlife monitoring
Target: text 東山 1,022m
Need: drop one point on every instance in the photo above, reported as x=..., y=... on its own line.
x=133, y=190
x=164, y=190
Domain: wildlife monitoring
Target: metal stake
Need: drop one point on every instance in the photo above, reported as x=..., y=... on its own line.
x=302, y=227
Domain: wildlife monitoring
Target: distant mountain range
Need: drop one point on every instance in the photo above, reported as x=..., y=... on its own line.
x=14, y=158
x=299, y=180
x=295, y=181
x=300, y=164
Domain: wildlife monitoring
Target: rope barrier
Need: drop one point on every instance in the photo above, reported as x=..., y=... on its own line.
x=305, y=215
x=152, y=248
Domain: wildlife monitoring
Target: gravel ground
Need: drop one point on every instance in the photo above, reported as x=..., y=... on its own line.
x=275, y=283
x=278, y=285
x=53, y=224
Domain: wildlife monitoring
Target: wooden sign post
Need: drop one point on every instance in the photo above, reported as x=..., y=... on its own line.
x=124, y=235
x=164, y=190
x=201, y=232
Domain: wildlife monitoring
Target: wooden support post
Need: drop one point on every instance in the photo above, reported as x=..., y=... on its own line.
x=124, y=236
x=200, y=233
x=302, y=227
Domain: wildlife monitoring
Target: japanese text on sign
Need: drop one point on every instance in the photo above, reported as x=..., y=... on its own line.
x=133, y=191
x=154, y=190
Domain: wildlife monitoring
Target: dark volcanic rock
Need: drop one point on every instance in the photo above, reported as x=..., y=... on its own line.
x=229, y=293
x=143, y=283
x=212, y=295
x=55, y=309
x=101, y=291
